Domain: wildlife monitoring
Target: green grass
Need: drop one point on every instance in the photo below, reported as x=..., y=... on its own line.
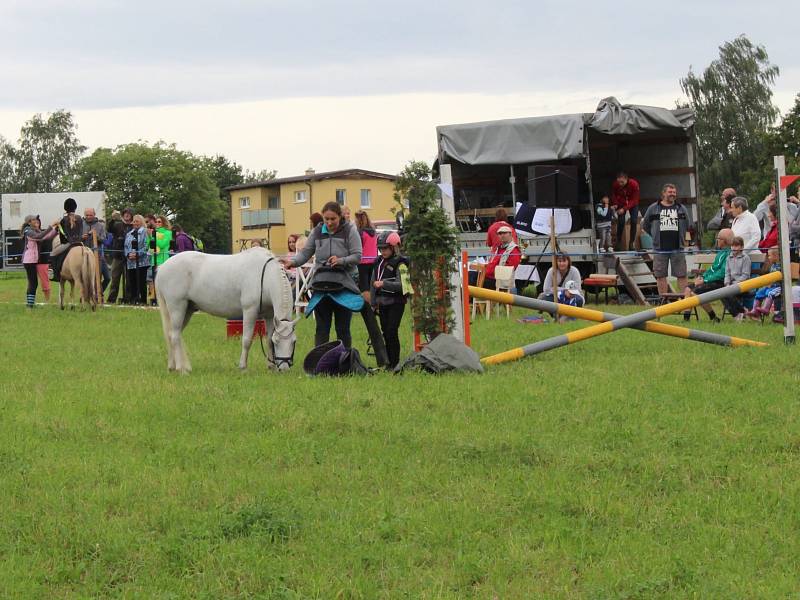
x=630, y=466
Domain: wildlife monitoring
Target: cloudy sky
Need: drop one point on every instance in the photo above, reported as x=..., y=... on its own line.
x=289, y=85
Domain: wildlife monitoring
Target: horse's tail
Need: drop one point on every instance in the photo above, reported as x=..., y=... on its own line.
x=88, y=278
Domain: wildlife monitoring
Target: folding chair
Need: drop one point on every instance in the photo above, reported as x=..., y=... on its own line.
x=504, y=282
x=302, y=289
x=484, y=305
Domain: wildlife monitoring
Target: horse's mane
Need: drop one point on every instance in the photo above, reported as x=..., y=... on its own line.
x=286, y=291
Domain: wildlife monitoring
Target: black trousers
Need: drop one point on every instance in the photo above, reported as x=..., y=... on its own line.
x=390, y=316
x=734, y=305
x=137, y=285
x=324, y=313
x=33, y=278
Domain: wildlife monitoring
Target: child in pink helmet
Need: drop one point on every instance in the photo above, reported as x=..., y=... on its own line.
x=389, y=287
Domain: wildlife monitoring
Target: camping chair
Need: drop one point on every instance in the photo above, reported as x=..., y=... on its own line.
x=484, y=305
x=504, y=282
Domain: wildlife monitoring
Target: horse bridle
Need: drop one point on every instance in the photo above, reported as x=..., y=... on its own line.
x=274, y=360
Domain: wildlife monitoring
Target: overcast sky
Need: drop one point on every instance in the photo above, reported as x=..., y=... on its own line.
x=330, y=85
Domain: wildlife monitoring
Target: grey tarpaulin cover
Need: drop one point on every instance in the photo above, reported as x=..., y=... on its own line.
x=512, y=141
x=444, y=353
x=625, y=119
x=539, y=139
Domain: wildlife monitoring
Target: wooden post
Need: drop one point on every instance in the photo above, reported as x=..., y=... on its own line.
x=465, y=295
x=783, y=244
x=98, y=290
x=555, y=262
x=448, y=204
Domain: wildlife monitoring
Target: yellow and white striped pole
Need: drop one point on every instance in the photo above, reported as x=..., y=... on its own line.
x=589, y=314
x=633, y=320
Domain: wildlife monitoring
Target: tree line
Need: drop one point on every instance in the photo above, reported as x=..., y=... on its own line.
x=150, y=178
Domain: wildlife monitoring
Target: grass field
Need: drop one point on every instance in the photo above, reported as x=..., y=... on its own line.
x=629, y=466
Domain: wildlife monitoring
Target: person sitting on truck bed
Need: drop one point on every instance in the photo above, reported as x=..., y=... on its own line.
x=565, y=272
x=504, y=254
x=500, y=220
x=625, y=198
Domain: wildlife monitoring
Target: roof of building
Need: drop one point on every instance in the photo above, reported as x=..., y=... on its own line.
x=343, y=174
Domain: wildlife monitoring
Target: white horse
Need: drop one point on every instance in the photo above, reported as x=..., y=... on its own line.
x=251, y=285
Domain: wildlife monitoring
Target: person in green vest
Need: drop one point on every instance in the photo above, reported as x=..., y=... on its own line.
x=712, y=278
x=163, y=241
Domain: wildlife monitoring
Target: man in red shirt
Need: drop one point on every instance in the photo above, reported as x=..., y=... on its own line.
x=500, y=220
x=506, y=253
x=625, y=199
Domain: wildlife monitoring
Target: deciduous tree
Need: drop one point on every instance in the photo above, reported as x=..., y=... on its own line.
x=156, y=179
x=733, y=103
x=48, y=149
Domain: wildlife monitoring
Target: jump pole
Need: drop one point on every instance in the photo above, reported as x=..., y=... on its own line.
x=596, y=315
x=633, y=320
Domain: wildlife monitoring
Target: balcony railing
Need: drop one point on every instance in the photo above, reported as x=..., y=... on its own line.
x=262, y=218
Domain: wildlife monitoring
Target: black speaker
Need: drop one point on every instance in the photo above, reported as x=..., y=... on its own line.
x=553, y=186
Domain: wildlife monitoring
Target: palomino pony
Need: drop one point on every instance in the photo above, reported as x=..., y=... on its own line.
x=251, y=285
x=79, y=267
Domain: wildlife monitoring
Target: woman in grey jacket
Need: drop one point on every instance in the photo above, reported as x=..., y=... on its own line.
x=336, y=247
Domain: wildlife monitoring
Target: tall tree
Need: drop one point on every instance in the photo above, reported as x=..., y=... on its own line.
x=431, y=244
x=733, y=103
x=48, y=149
x=8, y=159
x=159, y=179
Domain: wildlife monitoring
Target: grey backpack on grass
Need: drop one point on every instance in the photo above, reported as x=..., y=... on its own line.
x=443, y=353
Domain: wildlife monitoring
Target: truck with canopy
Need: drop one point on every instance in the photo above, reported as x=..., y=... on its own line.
x=491, y=162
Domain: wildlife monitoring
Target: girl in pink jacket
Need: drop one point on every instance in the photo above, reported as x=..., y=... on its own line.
x=32, y=236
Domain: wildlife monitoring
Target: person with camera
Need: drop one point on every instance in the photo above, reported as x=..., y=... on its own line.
x=336, y=247
x=138, y=261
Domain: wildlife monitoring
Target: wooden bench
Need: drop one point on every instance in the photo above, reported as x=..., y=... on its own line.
x=599, y=283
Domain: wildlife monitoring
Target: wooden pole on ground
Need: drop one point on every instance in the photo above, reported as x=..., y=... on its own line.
x=634, y=319
x=599, y=316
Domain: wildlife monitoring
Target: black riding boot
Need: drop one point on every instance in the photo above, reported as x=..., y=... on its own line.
x=56, y=263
